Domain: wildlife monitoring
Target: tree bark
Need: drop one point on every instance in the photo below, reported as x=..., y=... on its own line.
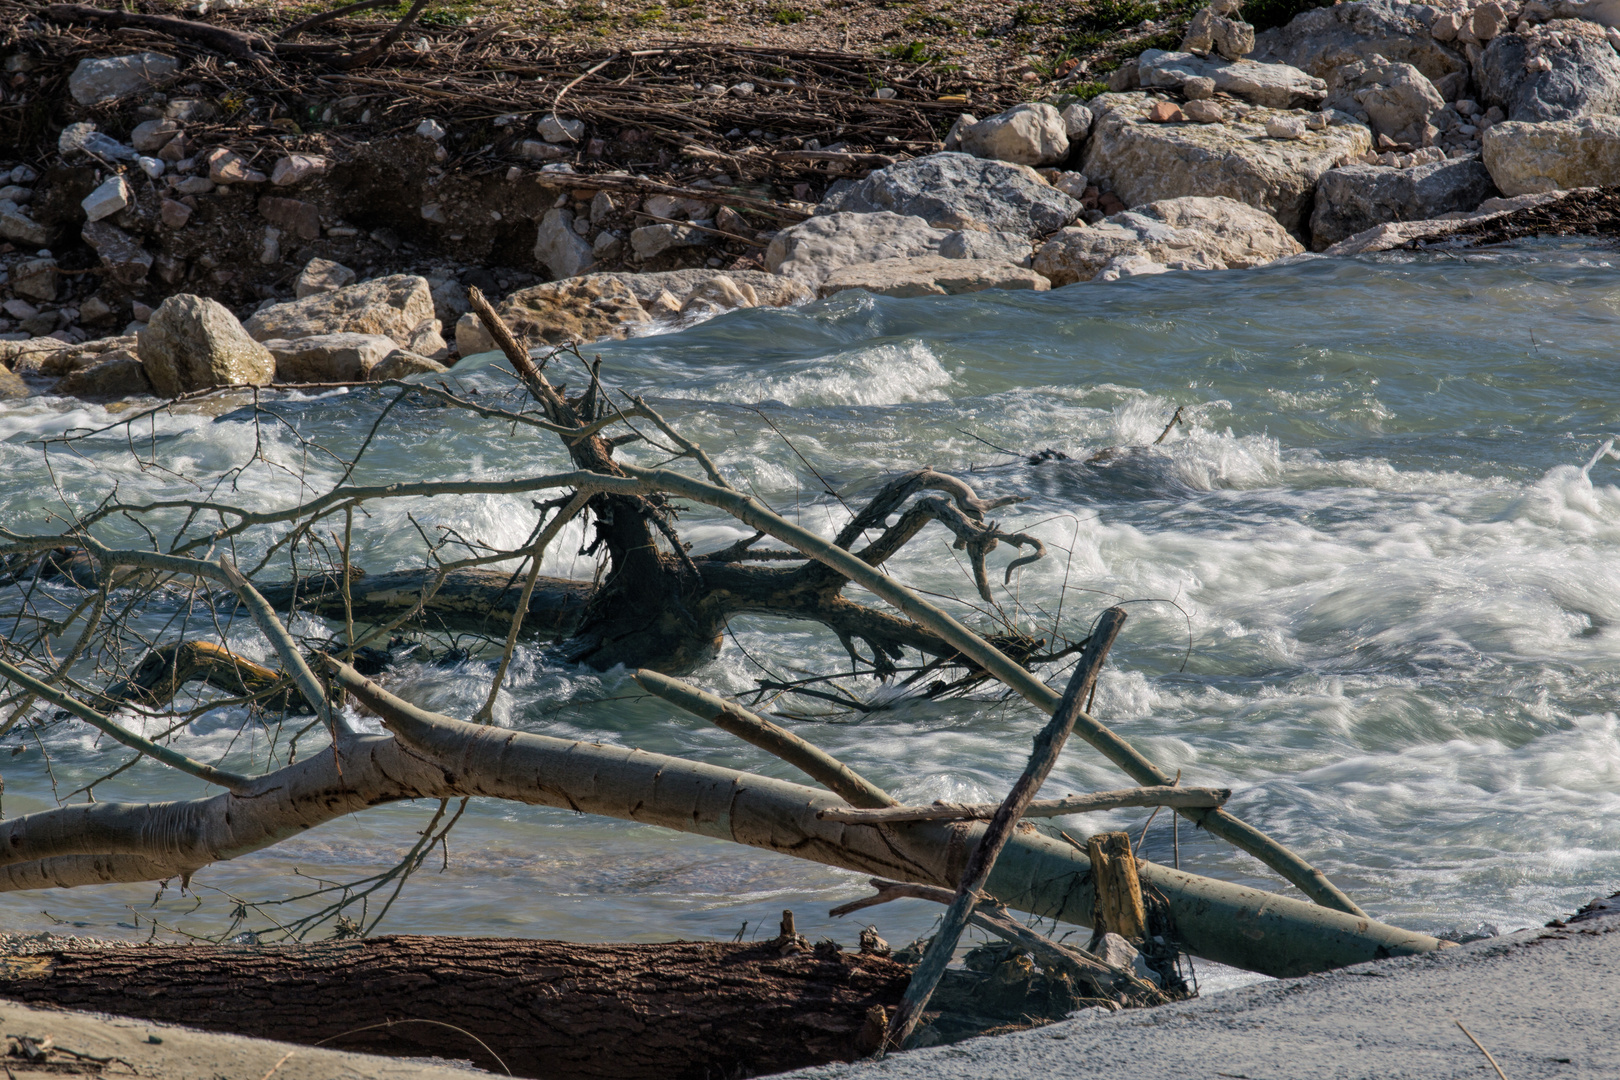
x=546, y=1008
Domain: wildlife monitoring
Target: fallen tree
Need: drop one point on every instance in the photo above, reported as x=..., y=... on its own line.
x=79, y=649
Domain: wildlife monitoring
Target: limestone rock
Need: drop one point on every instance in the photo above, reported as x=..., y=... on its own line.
x=296, y=168
x=471, y=337
x=577, y=309
x=932, y=275
x=1183, y=234
x=762, y=289
x=952, y=190
x=1276, y=86
x=192, y=343
x=126, y=261
x=95, y=82
x=111, y=196
x=321, y=276
x=811, y=250
x=1212, y=32
x=1560, y=154
x=150, y=136
x=1325, y=38
x=229, y=167
x=11, y=385
x=36, y=278
x=329, y=357
x=1283, y=126
x=402, y=364
x=392, y=306
x=561, y=250
x=116, y=374
x=651, y=240
x=1355, y=198
x=1124, y=266
x=1076, y=122
x=1579, y=74
x=1394, y=100
x=428, y=340
x=1146, y=162
x=1204, y=112
x=19, y=228
x=1030, y=134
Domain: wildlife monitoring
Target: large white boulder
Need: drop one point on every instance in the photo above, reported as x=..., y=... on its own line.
x=932, y=275
x=1030, y=134
x=192, y=343
x=812, y=250
x=393, y=306
x=959, y=191
x=1180, y=234
x=1560, y=154
x=1277, y=86
x=1575, y=72
x=97, y=81
x=1148, y=162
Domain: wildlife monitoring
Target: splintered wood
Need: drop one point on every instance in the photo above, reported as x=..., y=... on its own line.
x=1119, y=893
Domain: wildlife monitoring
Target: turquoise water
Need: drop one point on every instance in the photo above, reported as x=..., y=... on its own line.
x=1372, y=587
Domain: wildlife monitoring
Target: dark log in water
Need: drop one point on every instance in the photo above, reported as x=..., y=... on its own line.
x=546, y=1008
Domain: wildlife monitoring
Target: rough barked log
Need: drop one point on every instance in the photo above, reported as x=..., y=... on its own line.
x=548, y=1009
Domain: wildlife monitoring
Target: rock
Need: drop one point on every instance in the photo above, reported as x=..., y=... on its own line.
x=1165, y=112
x=11, y=385
x=561, y=250
x=1355, y=198
x=150, y=136
x=431, y=129
x=1200, y=87
x=471, y=337
x=292, y=215
x=83, y=138
x=94, y=310
x=329, y=357
x=321, y=276
x=1183, y=234
x=953, y=190
x=1076, y=121
x=95, y=82
x=296, y=168
x=1399, y=233
x=1396, y=101
x=392, y=306
x=1579, y=74
x=126, y=261
x=1028, y=134
x=1322, y=39
x=577, y=309
x=1276, y=86
x=608, y=245
x=1286, y=127
x=229, y=167
x=722, y=293
x=402, y=364
x=1145, y=162
x=1488, y=20
x=190, y=110
x=1559, y=154
x=932, y=275
x=651, y=240
x=194, y=185
x=173, y=214
x=19, y=228
x=537, y=150
x=35, y=278
x=1204, y=112
x=111, y=196
x=1212, y=32
x=811, y=250
x=428, y=340
x=1124, y=266
x=193, y=343
x=555, y=129
x=116, y=374
x=762, y=289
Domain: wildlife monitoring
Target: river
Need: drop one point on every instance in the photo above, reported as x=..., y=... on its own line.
x=1373, y=589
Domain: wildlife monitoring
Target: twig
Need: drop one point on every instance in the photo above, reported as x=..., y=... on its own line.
x=1482, y=1049
x=1048, y=745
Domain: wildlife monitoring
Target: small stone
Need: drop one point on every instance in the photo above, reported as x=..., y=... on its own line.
x=651, y=240
x=1199, y=88
x=427, y=339
x=1285, y=127
x=19, y=309
x=402, y=364
x=559, y=248
x=434, y=212
x=124, y=259
x=177, y=150
x=151, y=166
x=1447, y=26
x=608, y=246
x=1537, y=64
x=106, y=200
x=1204, y=112
x=714, y=90
x=189, y=110
x=430, y=129
x=555, y=129
x=1076, y=121
x=728, y=220
x=150, y=136
x=602, y=207
x=194, y=185
x=1489, y=19
x=141, y=310
x=95, y=310
x=83, y=138
x=296, y=168
x=270, y=252
x=322, y=275
x=1165, y=112
x=174, y=214
x=743, y=89
x=229, y=167
x=23, y=174
x=887, y=93
x=18, y=227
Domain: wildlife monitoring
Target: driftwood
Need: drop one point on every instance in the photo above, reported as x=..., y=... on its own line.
x=1119, y=908
x=1039, y=808
x=539, y=1008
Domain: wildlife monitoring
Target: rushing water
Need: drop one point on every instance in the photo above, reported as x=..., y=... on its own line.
x=1381, y=597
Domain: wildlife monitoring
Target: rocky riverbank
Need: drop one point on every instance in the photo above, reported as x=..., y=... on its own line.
x=167, y=231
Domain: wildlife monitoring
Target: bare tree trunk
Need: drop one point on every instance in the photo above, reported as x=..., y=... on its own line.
x=544, y=1008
